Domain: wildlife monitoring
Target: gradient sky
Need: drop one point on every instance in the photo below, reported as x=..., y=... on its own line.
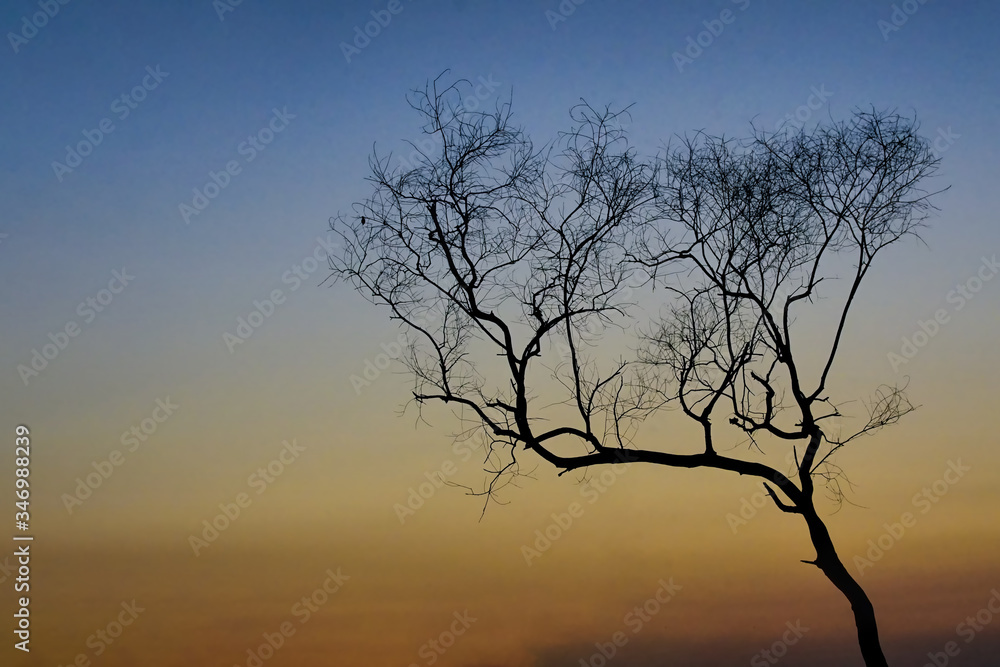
x=162, y=337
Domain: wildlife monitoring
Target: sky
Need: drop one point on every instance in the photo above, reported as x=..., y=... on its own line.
x=170, y=167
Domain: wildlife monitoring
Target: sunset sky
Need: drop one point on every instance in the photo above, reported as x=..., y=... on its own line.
x=137, y=286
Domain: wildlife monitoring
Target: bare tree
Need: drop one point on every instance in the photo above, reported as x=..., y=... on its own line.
x=508, y=264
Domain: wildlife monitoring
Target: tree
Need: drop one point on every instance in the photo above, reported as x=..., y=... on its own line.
x=507, y=265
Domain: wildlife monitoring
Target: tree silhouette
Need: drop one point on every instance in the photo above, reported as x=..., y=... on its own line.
x=511, y=267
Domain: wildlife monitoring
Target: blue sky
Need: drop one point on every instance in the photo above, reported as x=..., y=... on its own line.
x=225, y=77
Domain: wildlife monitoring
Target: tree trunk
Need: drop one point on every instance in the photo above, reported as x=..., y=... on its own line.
x=829, y=562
